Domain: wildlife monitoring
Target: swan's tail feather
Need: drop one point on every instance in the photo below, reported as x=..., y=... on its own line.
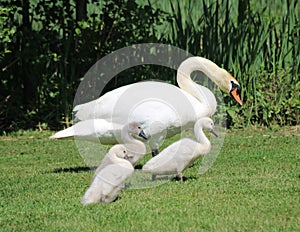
x=64, y=134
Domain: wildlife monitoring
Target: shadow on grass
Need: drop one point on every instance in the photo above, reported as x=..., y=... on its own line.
x=74, y=169
x=176, y=178
x=138, y=166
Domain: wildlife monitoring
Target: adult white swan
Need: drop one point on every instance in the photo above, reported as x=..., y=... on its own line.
x=163, y=109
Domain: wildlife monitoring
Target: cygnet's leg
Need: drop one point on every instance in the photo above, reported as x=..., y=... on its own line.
x=180, y=177
x=103, y=199
x=153, y=177
x=154, y=144
x=155, y=152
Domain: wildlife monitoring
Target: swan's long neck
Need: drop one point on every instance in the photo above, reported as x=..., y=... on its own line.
x=125, y=135
x=201, y=137
x=210, y=69
x=127, y=139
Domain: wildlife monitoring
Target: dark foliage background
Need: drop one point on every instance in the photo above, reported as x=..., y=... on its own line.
x=47, y=46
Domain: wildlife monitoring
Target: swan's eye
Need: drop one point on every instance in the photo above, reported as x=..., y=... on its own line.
x=235, y=86
x=124, y=151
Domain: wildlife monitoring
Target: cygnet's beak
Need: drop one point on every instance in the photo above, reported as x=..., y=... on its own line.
x=214, y=132
x=128, y=156
x=143, y=135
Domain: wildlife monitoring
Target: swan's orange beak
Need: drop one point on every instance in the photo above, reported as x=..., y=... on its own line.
x=236, y=96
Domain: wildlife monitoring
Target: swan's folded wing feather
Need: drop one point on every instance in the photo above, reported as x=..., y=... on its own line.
x=100, y=108
x=161, y=164
x=171, y=159
x=114, y=176
x=104, y=163
x=108, y=183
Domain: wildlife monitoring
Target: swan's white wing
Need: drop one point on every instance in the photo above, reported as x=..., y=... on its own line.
x=173, y=159
x=100, y=108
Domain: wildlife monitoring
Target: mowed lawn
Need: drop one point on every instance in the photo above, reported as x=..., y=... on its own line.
x=254, y=185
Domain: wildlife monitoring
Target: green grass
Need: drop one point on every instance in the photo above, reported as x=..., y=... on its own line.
x=253, y=186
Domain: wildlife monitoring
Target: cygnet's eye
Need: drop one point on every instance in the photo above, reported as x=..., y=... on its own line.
x=124, y=151
x=139, y=127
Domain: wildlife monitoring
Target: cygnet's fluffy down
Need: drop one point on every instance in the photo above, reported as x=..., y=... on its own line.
x=110, y=179
x=179, y=155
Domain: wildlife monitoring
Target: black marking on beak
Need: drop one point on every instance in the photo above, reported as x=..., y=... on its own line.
x=143, y=135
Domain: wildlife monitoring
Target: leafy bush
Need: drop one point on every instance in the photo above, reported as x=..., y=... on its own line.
x=53, y=49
